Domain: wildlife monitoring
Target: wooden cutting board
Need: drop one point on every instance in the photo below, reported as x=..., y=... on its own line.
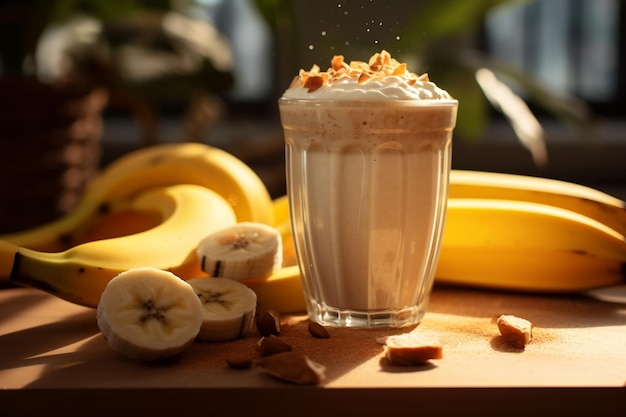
x=54, y=360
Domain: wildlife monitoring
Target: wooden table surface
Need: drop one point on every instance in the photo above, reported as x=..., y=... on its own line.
x=54, y=361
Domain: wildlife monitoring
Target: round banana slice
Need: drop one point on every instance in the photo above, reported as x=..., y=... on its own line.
x=242, y=251
x=228, y=308
x=149, y=314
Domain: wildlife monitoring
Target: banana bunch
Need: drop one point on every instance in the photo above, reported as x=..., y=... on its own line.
x=584, y=200
x=526, y=233
x=155, y=166
x=79, y=275
x=520, y=245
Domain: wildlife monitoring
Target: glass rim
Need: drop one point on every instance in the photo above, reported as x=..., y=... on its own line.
x=370, y=102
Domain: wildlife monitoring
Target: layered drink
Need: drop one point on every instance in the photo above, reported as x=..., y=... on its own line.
x=368, y=149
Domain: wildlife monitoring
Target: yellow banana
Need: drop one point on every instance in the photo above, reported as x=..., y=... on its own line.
x=280, y=207
x=160, y=165
x=536, y=271
x=281, y=291
x=282, y=223
x=191, y=163
x=80, y=274
x=527, y=246
x=519, y=225
x=582, y=199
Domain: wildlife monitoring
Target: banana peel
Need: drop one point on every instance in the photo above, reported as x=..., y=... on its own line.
x=281, y=291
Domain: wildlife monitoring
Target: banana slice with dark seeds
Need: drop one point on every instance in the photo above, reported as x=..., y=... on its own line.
x=242, y=251
x=149, y=314
x=228, y=308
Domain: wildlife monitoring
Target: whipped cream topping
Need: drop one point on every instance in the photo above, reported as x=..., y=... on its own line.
x=381, y=78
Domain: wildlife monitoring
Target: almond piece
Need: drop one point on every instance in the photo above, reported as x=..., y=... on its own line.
x=293, y=367
x=271, y=345
x=239, y=361
x=318, y=331
x=516, y=331
x=411, y=349
x=268, y=323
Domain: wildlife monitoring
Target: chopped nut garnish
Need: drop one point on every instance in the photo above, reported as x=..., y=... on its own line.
x=380, y=65
x=313, y=82
x=337, y=63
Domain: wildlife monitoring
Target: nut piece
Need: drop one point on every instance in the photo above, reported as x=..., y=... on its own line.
x=271, y=345
x=268, y=323
x=516, y=331
x=239, y=361
x=318, y=331
x=410, y=349
x=293, y=367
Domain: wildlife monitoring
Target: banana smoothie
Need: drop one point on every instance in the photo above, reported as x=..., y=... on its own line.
x=368, y=159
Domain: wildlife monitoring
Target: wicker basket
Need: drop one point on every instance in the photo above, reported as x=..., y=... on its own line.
x=49, y=149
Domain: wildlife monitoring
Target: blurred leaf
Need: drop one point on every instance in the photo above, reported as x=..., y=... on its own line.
x=272, y=10
x=110, y=10
x=473, y=108
x=526, y=126
x=566, y=108
x=474, y=112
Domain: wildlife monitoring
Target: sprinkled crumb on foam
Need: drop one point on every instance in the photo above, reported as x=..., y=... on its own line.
x=382, y=74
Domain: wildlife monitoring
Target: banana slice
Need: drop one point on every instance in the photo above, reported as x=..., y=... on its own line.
x=149, y=314
x=241, y=251
x=228, y=308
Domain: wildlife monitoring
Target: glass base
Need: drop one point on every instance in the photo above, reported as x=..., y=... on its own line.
x=335, y=317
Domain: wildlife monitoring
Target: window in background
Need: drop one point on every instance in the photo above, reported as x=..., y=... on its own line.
x=571, y=45
x=251, y=44
x=577, y=47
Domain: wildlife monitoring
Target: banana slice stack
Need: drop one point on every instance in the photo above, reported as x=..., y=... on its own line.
x=150, y=314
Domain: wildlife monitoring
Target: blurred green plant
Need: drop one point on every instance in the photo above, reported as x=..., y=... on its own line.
x=23, y=22
x=147, y=53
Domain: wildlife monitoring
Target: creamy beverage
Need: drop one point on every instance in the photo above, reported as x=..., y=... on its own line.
x=368, y=159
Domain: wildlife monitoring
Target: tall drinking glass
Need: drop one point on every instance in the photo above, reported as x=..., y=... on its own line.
x=367, y=184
